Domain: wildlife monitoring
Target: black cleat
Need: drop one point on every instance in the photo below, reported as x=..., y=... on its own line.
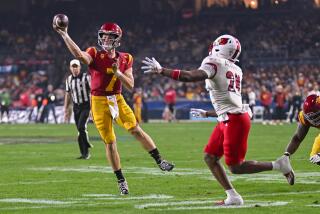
x=87, y=156
x=123, y=187
x=165, y=165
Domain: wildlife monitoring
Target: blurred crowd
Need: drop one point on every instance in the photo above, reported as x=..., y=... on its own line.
x=279, y=55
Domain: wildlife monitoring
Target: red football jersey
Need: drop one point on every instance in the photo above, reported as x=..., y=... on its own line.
x=103, y=81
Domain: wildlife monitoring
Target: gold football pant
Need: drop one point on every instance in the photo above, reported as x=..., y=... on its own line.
x=316, y=146
x=103, y=119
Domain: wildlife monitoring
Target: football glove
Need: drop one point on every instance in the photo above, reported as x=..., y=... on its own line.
x=315, y=159
x=151, y=66
x=198, y=113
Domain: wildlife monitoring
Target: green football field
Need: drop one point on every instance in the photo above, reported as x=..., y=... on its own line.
x=40, y=172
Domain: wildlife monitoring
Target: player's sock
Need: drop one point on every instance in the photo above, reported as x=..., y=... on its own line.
x=232, y=193
x=156, y=155
x=119, y=175
x=275, y=166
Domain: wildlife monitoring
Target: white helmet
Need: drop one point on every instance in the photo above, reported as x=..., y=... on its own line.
x=227, y=47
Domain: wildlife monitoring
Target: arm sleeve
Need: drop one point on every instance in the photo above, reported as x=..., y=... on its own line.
x=67, y=85
x=209, y=66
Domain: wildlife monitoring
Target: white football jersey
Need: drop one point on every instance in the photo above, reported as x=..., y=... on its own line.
x=224, y=85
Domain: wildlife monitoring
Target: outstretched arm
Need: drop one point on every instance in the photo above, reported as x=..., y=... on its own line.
x=297, y=138
x=200, y=113
x=83, y=56
x=152, y=66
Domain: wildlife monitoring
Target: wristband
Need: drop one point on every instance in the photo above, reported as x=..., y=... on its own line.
x=175, y=74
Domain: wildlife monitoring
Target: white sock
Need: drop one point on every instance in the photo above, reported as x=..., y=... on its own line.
x=231, y=193
x=275, y=165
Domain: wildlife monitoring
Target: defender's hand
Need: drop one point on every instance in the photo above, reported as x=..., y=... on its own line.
x=315, y=159
x=151, y=66
x=198, y=113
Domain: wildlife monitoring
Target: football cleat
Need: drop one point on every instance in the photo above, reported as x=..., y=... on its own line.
x=230, y=201
x=315, y=159
x=165, y=165
x=87, y=156
x=123, y=187
x=285, y=167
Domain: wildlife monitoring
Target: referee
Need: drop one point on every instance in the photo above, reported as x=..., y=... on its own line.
x=78, y=89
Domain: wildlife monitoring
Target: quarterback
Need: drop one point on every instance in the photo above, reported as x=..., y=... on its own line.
x=109, y=70
x=229, y=138
x=308, y=117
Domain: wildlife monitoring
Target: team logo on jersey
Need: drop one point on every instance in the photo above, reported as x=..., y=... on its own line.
x=101, y=56
x=318, y=100
x=109, y=71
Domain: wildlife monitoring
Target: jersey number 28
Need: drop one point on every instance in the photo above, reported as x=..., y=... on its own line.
x=234, y=84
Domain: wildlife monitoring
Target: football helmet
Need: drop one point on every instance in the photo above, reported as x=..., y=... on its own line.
x=114, y=34
x=227, y=47
x=311, y=109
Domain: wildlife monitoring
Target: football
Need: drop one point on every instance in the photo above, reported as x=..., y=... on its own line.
x=61, y=21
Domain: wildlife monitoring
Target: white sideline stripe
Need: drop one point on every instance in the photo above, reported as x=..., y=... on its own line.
x=203, y=201
x=99, y=195
x=267, y=195
x=32, y=201
x=24, y=208
x=313, y=205
x=177, y=171
x=274, y=177
x=34, y=182
x=281, y=193
x=165, y=204
x=263, y=204
x=125, y=198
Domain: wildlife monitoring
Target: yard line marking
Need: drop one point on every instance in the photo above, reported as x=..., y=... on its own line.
x=32, y=201
x=261, y=204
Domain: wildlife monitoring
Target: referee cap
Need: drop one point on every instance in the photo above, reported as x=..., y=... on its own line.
x=74, y=62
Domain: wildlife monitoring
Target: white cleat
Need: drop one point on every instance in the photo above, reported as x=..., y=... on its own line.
x=285, y=167
x=231, y=201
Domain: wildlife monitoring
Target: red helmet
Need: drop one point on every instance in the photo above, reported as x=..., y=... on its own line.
x=311, y=109
x=114, y=33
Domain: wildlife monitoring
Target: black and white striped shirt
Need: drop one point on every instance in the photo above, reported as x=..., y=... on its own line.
x=79, y=88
